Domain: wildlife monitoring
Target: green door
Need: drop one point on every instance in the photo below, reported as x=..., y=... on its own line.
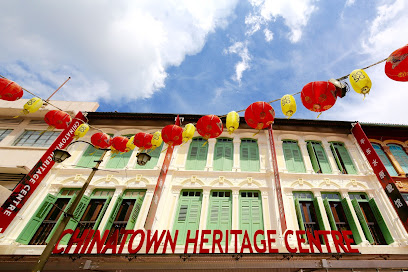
x=220, y=212
x=250, y=213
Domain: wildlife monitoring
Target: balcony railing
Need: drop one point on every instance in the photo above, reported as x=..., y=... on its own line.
x=42, y=233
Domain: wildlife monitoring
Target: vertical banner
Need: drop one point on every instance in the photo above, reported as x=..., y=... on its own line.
x=159, y=185
x=382, y=174
x=30, y=182
x=277, y=181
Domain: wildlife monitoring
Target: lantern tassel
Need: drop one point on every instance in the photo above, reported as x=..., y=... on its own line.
x=364, y=97
x=205, y=143
x=319, y=115
x=49, y=128
x=257, y=132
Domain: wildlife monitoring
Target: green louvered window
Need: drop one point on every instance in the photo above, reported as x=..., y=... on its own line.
x=400, y=155
x=250, y=213
x=125, y=211
x=155, y=155
x=318, y=158
x=223, y=155
x=343, y=159
x=197, y=154
x=384, y=159
x=119, y=160
x=339, y=214
x=371, y=220
x=307, y=211
x=220, y=212
x=89, y=212
x=293, y=157
x=249, y=155
x=89, y=157
x=188, y=214
x=42, y=225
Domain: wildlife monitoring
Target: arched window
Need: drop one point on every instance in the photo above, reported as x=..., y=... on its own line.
x=400, y=155
x=384, y=159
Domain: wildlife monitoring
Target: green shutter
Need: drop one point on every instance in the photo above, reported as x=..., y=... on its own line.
x=188, y=216
x=223, y=156
x=351, y=222
x=219, y=216
x=333, y=149
x=329, y=214
x=73, y=222
x=318, y=214
x=60, y=219
x=35, y=222
x=228, y=156
x=293, y=157
x=299, y=216
x=154, y=154
x=313, y=158
x=119, y=161
x=102, y=213
x=89, y=157
x=362, y=220
x=322, y=158
x=135, y=213
x=250, y=215
x=197, y=155
x=114, y=213
x=297, y=157
x=347, y=161
x=249, y=156
x=287, y=153
x=400, y=156
x=384, y=159
x=380, y=220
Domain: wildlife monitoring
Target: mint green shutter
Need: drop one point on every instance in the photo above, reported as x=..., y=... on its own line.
x=380, y=220
x=219, y=216
x=102, y=212
x=293, y=157
x=223, y=156
x=119, y=161
x=249, y=156
x=323, y=161
x=251, y=218
x=135, y=213
x=197, y=155
x=228, y=156
x=154, y=154
x=347, y=161
x=336, y=157
x=363, y=221
x=384, y=159
x=89, y=157
x=400, y=156
x=287, y=153
x=73, y=222
x=318, y=214
x=114, y=213
x=60, y=219
x=299, y=217
x=351, y=222
x=35, y=222
x=313, y=158
x=187, y=217
x=218, y=156
x=329, y=214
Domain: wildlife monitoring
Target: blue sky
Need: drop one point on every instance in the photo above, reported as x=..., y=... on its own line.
x=205, y=57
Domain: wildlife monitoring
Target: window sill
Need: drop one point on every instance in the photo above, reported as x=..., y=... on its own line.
x=24, y=147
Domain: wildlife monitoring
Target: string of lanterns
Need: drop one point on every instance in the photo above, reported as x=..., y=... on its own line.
x=317, y=96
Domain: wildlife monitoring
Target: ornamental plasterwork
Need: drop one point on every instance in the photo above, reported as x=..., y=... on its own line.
x=403, y=186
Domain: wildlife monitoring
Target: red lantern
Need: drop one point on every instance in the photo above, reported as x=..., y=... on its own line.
x=57, y=119
x=9, y=90
x=119, y=143
x=396, y=66
x=318, y=96
x=259, y=115
x=143, y=140
x=172, y=135
x=209, y=126
x=101, y=140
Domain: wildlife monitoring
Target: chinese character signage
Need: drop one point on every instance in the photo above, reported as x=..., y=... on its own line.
x=382, y=174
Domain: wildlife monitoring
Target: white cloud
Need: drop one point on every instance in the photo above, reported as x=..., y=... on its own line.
x=296, y=14
x=268, y=35
x=350, y=3
x=112, y=50
x=241, y=49
x=386, y=102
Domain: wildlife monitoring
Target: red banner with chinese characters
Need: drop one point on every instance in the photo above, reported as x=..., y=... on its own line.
x=30, y=182
x=382, y=174
x=159, y=185
x=277, y=181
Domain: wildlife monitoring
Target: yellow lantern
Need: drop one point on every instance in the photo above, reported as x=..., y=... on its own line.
x=288, y=105
x=188, y=132
x=81, y=131
x=130, y=145
x=156, y=140
x=33, y=105
x=360, y=81
x=232, y=122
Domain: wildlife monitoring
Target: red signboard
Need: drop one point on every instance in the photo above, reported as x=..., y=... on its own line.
x=277, y=181
x=159, y=185
x=30, y=182
x=382, y=174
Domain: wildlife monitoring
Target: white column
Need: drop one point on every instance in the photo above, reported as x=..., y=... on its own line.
x=236, y=157
x=204, y=209
x=332, y=161
x=144, y=209
x=210, y=157
x=235, y=213
x=344, y=194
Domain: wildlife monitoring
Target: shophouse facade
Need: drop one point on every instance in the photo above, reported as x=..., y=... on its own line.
x=228, y=183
